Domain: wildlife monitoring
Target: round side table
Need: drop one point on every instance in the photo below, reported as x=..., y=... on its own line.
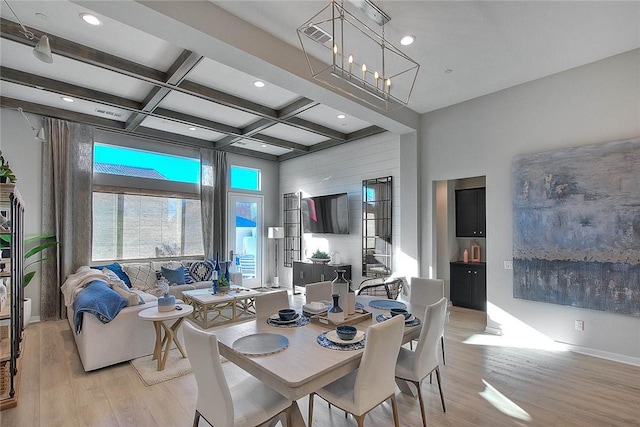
x=159, y=318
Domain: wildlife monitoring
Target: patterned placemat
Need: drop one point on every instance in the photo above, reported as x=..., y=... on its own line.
x=386, y=304
x=413, y=322
x=327, y=343
x=300, y=321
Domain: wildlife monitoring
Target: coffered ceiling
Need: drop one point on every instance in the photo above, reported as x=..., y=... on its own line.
x=184, y=71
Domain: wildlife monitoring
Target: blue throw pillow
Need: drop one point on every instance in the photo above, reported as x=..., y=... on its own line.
x=175, y=277
x=116, y=268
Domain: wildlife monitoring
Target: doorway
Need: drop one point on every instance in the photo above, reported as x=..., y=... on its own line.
x=244, y=236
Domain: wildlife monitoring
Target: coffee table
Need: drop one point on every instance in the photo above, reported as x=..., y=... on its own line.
x=158, y=318
x=212, y=310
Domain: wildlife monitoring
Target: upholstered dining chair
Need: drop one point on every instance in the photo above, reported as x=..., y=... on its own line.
x=319, y=291
x=372, y=383
x=414, y=366
x=426, y=292
x=248, y=403
x=269, y=303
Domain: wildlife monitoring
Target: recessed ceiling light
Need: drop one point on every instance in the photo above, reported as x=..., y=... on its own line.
x=341, y=116
x=407, y=40
x=192, y=128
x=449, y=71
x=90, y=19
x=258, y=83
x=67, y=99
x=263, y=145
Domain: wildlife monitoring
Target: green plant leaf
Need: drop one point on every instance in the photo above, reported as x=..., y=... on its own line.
x=31, y=252
x=27, y=278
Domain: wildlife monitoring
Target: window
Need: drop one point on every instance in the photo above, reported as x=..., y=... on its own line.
x=145, y=205
x=245, y=178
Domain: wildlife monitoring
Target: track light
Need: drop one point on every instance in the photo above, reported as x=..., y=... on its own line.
x=40, y=135
x=42, y=51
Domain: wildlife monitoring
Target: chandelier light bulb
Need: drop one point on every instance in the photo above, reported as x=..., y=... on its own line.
x=375, y=77
x=364, y=70
x=350, y=63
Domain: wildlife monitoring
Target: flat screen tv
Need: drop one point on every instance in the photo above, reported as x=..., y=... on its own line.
x=326, y=214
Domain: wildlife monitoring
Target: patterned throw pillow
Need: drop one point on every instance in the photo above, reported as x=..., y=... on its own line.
x=143, y=276
x=201, y=271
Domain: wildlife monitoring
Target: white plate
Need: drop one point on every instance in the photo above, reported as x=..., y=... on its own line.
x=276, y=319
x=410, y=319
x=333, y=337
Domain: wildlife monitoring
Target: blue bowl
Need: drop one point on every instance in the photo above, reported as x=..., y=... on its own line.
x=400, y=311
x=287, y=314
x=346, y=332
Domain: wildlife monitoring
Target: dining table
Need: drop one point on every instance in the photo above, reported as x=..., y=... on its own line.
x=304, y=366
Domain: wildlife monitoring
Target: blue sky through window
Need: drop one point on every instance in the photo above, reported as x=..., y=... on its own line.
x=174, y=168
x=245, y=178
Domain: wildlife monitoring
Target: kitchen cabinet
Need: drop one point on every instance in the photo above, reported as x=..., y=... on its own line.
x=468, y=285
x=471, y=212
x=307, y=272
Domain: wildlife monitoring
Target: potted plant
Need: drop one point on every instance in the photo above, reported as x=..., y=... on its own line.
x=6, y=174
x=320, y=257
x=42, y=242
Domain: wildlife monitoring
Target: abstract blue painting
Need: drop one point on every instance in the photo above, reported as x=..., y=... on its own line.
x=576, y=227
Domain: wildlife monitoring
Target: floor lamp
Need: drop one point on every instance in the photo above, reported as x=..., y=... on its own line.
x=276, y=233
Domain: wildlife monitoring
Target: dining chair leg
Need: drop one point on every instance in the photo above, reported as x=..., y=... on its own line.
x=442, y=341
x=440, y=388
x=424, y=416
x=394, y=407
x=311, y=409
x=196, y=419
x=287, y=414
x=360, y=420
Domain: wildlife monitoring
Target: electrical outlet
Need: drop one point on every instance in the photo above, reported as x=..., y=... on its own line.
x=579, y=325
x=508, y=265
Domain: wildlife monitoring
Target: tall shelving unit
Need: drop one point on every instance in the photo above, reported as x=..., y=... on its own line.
x=292, y=231
x=11, y=317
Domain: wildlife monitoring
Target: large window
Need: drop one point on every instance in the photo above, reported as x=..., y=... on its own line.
x=145, y=205
x=246, y=178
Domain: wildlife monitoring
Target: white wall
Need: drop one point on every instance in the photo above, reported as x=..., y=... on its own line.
x=594, y=103
x=338, y=170
x=24, y=153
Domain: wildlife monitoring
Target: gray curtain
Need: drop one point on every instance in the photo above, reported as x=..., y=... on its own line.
x=213, y=201
x=67, y=167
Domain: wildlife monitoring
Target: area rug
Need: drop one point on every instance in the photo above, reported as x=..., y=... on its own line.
x=147, y=369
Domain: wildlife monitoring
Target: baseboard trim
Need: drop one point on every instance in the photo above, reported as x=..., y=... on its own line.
x=614, y=357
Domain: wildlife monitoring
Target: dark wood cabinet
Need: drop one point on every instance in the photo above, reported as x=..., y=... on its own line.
x=470, y=212
x=469, y=285
x=307, y=272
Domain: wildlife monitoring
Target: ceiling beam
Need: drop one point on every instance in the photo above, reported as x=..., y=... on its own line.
x=177, y=72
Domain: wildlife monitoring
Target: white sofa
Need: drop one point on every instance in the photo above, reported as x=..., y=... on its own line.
x=127, y=336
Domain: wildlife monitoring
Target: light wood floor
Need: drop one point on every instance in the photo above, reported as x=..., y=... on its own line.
x=483, y=386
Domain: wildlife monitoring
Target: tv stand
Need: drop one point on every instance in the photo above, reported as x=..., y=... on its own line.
x=307, y=272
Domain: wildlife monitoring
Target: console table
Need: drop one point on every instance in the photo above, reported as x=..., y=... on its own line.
x=307, y=272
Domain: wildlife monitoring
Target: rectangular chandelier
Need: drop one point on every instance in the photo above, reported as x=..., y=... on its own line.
x=348, y=55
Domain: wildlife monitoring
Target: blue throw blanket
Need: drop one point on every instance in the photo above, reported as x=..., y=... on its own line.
x=98, y=299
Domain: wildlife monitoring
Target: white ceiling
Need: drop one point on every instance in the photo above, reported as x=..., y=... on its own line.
x=488, y=45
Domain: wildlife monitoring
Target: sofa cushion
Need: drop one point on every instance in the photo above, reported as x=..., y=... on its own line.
x=174, y=276
x=142, y=276
x=201, y=271
x=117, y=269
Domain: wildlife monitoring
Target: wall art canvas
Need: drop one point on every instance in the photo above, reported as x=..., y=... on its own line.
x=577, y=227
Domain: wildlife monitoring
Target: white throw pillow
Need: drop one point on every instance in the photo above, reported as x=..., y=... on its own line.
x=143, y=276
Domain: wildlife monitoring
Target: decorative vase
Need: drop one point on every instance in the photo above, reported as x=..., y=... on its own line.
x=227, y=274
x=340, y=286
x=166, y=302
x=335, y=313
x=214, y=282
x=465, y=256
x=351, y=301
x=217, y=266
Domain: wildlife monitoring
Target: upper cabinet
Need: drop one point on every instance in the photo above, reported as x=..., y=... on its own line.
x=470, y=212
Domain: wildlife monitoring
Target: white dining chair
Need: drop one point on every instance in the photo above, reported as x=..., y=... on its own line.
x=414, y=366
x=373, y=382
x=269, y=303
x=248, y=403
x=319, y=291
x=426, y=292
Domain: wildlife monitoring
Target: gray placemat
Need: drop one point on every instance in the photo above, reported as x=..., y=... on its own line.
x=300, y=321
x=260, y=344
x=327, y=343
x=386, y=304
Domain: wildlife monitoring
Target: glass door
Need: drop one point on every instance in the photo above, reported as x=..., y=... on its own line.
x=245, y=237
